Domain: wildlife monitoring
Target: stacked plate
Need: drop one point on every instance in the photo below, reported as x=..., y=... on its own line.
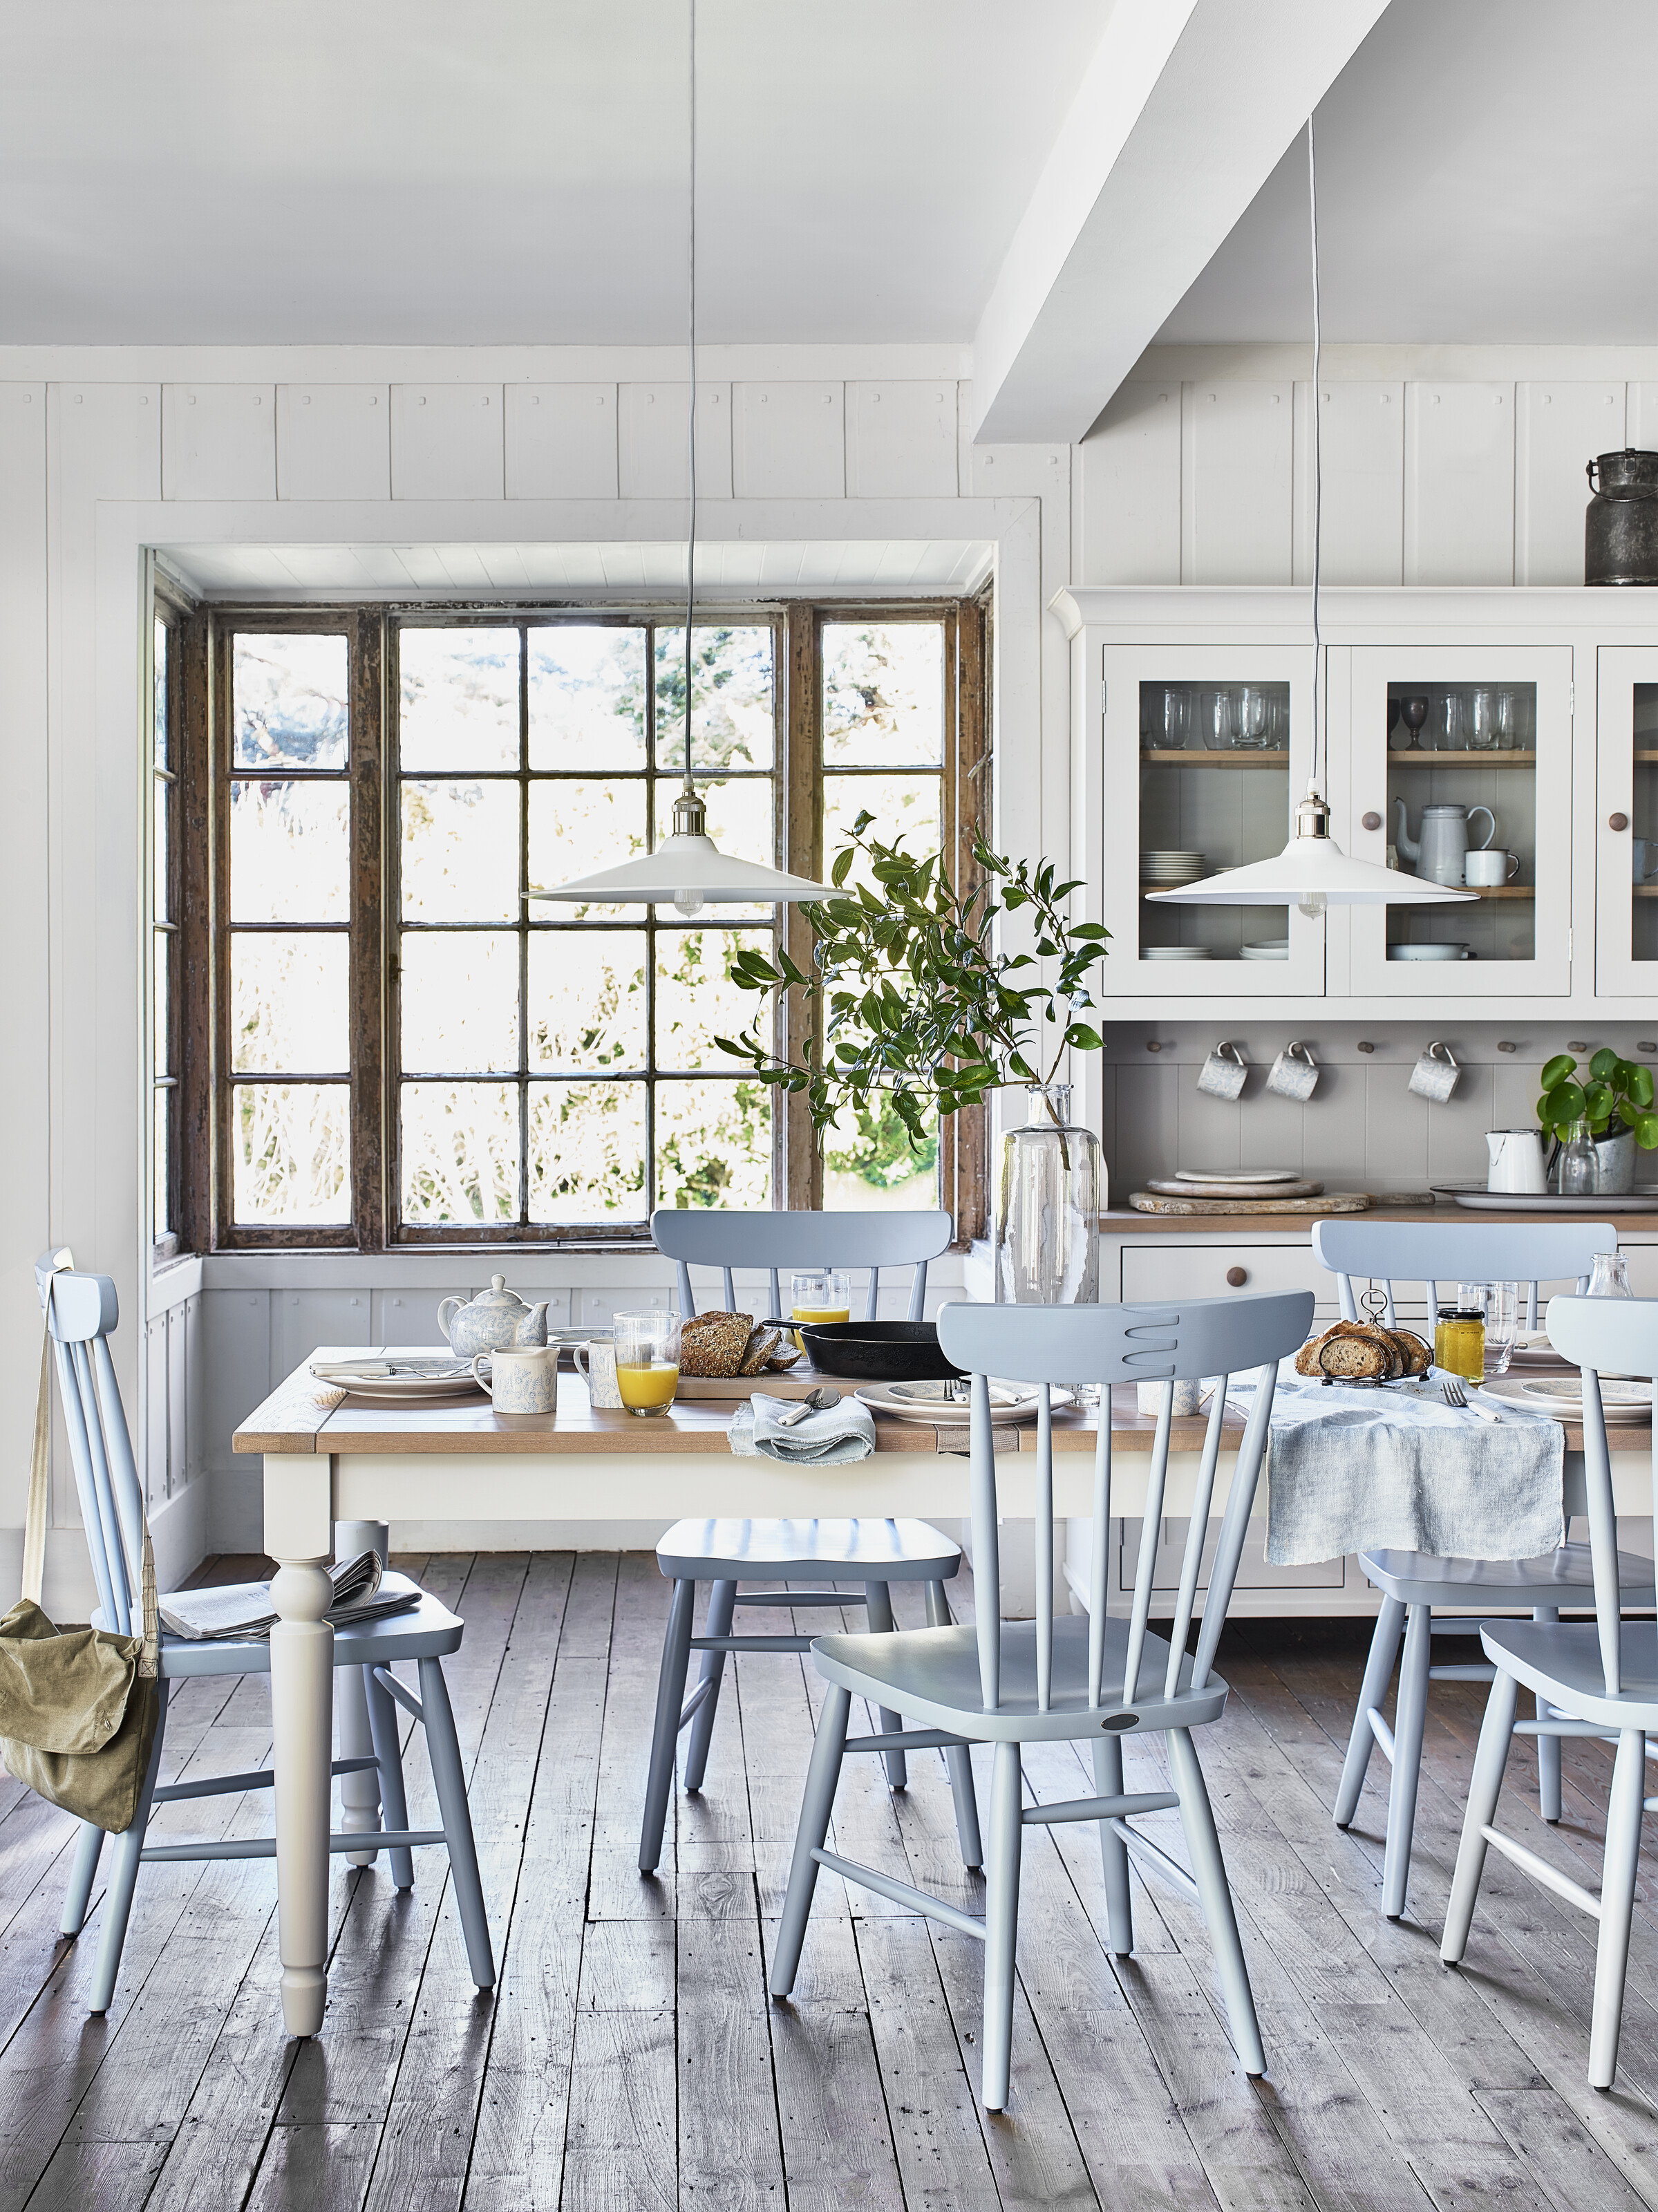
x=1166, y=870
x=1174, y=952
x=1268, y=948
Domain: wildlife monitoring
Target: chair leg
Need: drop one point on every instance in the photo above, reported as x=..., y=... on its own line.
x=1378, y=1667
x=1113, y=1852
x=722, y=1597
x=1491, y=1757
x=1215, y=1893
x=1001, y=1924
x=359, y=1793
x=443, y=1749
x=958, y=1759
x=1617, y=1903
x=1548, y=1746
x=669, y=1697
x=816, y=1805
x=1410, y=1721
x=123, y=1878
x=82, y=1875
x=382, y=1730
x=878, y=1599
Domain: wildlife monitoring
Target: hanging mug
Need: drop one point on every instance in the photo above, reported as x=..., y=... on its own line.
x=1435, y=1075
x=1223, y=1073
x=1294, y=1073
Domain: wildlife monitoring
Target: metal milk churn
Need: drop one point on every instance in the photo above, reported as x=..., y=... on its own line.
x=1620, y=523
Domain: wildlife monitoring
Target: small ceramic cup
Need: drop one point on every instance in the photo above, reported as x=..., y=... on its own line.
x=521, y=1381
x=1486, y=869
x=1294, y=1073
x=1222, y=1075
x=595, y=1363
x=1188, y=1398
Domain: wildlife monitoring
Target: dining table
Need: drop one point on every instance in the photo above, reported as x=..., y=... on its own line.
x=329, y=1457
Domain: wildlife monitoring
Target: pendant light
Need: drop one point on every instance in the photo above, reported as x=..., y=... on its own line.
x=1312, y=872
x=688, y=869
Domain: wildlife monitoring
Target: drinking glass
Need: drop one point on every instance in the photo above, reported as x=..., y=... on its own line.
x=1253, y=719
x=1508, y=722
x=1485, y=722
x=1176, y=717
x=1220, y=724
x=1413, y=712
x=647, y=1360
x=1447, y=723
x=819, y=1294
x=1502, y=1301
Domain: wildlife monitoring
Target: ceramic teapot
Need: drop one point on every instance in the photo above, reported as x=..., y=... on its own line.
x=1439, y=853
x=497, y=1320
x=1517, y=1161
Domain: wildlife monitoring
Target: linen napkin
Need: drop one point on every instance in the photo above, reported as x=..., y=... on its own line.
x=1398, y=1469
x=845, y=1431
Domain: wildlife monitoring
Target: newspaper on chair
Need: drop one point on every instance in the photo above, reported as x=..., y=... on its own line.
x=363, y=1590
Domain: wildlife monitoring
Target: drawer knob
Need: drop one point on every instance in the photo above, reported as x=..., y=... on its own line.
x=1371, y=821
x=1618, y=822
x=1237, y=1277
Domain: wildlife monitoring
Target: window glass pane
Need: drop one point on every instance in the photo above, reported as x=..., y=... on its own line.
x=577, y=828
x=739, y=822
x=159, y=949
x=163, y=756
x=867, y=1163
x=290, y=701
x=696, y=998
x=588, y=1152
x=459, y=1151
x=587, y=697
x=884, y=694
x=292, y=1150
x=713, y=1144
x=907, y=807
x=289, y=852
x=732, y=717
x=459, y=997
x=162, y=889
x=460, y=851
x=457, y=704
x=163, y=1167
x=288, y=1002
x=587, y=999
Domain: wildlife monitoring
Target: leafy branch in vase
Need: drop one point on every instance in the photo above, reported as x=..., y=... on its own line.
x=919, y=1007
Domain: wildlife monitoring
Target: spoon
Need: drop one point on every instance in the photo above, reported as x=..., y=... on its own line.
x=816, y=1402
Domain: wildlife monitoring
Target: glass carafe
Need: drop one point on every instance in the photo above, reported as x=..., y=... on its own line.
x=1579, y=1169
x=1610, y=1276
x=1050, y=1186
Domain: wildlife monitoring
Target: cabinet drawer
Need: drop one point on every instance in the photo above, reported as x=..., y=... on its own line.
x=1183, y=1270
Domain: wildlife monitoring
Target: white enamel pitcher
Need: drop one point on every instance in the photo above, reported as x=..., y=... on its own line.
x=1517, y=1161
x=1438, y=854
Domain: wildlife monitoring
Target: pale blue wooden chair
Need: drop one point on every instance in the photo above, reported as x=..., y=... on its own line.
x=726, y=1553
x=1010, y=1683
x=81, y=1313
x=1412, y=1584
x=1595, y=1678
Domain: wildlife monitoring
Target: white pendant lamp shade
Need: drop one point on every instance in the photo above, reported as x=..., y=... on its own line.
x=1311, y=872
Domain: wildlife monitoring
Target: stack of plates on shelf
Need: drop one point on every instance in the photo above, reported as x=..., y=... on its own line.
x=1269, y=948
x=1171, y=868
x=1270, y=1182
x=1236, y=1175
x=1173, y=952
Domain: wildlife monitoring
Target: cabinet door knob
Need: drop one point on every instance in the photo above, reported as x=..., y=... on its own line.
x=1371, y=821
x=1618, y=822
x=1237, y=1277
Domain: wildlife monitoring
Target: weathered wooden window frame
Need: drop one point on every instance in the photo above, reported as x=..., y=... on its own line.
x=203, y=1119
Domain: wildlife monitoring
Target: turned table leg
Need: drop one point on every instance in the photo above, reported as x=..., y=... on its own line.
x=297, y=1532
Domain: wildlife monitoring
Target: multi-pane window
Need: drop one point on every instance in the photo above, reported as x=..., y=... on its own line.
x=396, y=1043
x=164, y=939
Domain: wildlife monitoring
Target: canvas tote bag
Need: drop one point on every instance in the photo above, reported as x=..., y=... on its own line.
x=78, y=1706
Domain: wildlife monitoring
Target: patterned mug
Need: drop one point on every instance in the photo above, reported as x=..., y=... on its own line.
x=595, y=1363
x=521, y=1381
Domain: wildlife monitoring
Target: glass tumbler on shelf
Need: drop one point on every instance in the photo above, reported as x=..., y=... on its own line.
x=1254, y=727
x=1177, y=718
x=1050, y=1186
x=1610, y=1276
x=1448, y=735
x=647, y=1360
x=1484, y=721
x=1220, y=721
x=1508, y=722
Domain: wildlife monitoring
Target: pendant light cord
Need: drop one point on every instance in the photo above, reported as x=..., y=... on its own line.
x=690, y=546
x=1318, y=473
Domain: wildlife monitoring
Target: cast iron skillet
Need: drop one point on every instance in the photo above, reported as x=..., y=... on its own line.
x=877, y=1351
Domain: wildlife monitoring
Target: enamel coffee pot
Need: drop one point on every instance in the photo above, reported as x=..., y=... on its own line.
x=1438, y=854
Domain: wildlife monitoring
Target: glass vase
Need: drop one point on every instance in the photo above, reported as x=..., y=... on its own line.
x=1050, y=1187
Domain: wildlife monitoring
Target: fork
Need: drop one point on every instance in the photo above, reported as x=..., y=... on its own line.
x=1453, y=1394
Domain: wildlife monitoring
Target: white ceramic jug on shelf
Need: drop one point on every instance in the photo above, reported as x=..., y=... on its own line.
x=1517, y=1161
x=1444, y=842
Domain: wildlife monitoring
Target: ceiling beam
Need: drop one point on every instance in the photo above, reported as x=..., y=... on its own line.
x=1182, y=114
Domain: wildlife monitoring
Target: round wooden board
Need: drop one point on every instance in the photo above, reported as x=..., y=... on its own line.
x=1235, y=1189
x=1335, y=1201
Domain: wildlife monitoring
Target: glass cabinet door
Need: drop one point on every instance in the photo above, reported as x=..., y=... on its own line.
x=1626, y=855
x=1459, y=772
x=1206, y=752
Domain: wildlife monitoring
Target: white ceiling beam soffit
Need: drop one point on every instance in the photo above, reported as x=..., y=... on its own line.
x=1181, y=115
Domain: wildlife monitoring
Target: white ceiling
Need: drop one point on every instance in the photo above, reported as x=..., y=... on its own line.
x=1487, y=174
x=513, y=171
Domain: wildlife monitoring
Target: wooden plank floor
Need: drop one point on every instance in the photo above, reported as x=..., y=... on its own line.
x=629, y=2056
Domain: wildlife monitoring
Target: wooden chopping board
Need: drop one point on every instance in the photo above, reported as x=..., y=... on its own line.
x=1235, y=1189
x=796, y=1382
x=1334, y=1202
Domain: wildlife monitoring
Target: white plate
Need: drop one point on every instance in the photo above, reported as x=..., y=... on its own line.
x=1174, y=952
x=1238, y=1174
x=370, y=1378
x=930, y=1401
x=1562, y=1396
x=1427, y=952
x=1250, y=953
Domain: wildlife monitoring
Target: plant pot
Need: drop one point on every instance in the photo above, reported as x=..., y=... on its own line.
x=1050, y=1186
x=1614, y=1164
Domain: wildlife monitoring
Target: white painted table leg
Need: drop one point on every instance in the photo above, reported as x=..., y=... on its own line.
x=297, y=1534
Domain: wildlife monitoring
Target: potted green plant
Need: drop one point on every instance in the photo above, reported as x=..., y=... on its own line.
x=921, y=1011
x=1609, y=1109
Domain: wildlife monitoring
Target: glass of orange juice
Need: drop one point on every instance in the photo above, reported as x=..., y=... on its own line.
x=647, y=1360
x=820, y=1294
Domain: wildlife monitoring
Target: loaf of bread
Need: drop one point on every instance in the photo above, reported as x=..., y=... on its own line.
x=1363, y=1350
x=714, y=1343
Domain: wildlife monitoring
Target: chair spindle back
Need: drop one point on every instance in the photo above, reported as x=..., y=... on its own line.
x=81, y=1310
x=1432, y=1252
x=706, y=1237
x=1050, y=1346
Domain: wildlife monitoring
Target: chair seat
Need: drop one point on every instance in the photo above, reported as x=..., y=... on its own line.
x=772, y=1550
x=1561, y=1661
x=1562, y=1577
x=932, y=1676
x=427, y=1630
